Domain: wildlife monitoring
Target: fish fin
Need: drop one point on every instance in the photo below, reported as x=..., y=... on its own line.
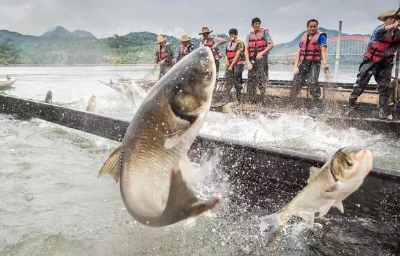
x=271, y=225
x=325, y=209
x=180, y=135
x=308, y=217
x=181, y=201
x=339, y=205
x=113, y=164
x=314, y=171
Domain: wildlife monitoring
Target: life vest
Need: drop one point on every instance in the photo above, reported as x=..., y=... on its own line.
x=312, y=51
x=257, y=42
x=384, y=48
x=184, y=50
x=209, y=42
x=231, y=52
x=162, y=54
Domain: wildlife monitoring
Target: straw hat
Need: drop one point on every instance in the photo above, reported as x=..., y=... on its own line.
x=205, y=30
x=160, y=39
x=185, y=38
x=385, y=15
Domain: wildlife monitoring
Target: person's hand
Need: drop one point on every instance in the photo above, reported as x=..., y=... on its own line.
x=230, y=68
x=326, y=67
x=396, y=24
x=249, y=66
x=296, y=70
x=161, y=62
x=259, y=56
x=215, y=47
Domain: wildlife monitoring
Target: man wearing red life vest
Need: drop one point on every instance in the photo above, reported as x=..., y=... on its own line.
x=234, y=64
x=186, y=47
x=164, y=55
x=378, y=61
x=213, y=42
x=312, y=50
x=258, y=45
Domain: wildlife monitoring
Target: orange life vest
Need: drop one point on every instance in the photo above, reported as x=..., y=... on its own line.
x=312, y=50
x=231, y=52
x=385, y=48
x=257, y=42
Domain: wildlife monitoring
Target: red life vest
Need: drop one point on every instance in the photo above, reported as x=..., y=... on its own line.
x=184, y=50
x=257, y=42
x=385, y=48
x=162, y=54
x=209, y=42
x=312, y=51
x=231, y=52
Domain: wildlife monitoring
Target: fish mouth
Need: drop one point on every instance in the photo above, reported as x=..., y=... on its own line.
x=364, y=156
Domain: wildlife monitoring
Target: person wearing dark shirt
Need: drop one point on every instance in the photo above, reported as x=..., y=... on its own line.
x=378, y=62
x=164, y=56
x=234, y=64
x=307, y=65
x=186, y=47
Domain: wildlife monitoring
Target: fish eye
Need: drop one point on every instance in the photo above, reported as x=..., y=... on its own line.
x=349, y=163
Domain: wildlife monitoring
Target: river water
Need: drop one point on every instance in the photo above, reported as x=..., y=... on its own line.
x=51, y=202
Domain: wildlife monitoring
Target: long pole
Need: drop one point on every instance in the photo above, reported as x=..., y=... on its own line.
x=337, y=59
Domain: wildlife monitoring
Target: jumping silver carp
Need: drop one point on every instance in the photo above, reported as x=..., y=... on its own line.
x=152, y=161
x=341, y=175
x=91, y=104
x=49, y=97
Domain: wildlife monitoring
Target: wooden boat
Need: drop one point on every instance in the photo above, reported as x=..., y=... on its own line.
x=334, y=97
x=5, y=84
x=268, y=183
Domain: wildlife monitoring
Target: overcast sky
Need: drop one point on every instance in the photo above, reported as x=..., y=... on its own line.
x=284, y=18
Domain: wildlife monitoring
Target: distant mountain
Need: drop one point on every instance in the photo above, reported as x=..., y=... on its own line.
x=292, y=46
x=83, y=34
x=58, y=32
x=59, y=46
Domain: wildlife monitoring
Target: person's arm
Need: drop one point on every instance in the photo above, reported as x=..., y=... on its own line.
x=296, y=62
x=246, y=54
x=392, y=26
x=269, y=47
x=218, y=42
x=157, y=56
x=324, y=55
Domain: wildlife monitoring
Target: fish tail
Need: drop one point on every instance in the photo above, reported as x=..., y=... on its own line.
x=271, y=225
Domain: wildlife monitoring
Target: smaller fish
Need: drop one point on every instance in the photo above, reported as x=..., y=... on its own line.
x=92, y=104
x=341, y=175
x=49, y=97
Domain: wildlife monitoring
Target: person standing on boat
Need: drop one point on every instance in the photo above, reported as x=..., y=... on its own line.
x=186, y=47
x=234, y=64
x=213, y=42
x=378, y=61
x=164, y=55
x=307, y=65
x=258, y=45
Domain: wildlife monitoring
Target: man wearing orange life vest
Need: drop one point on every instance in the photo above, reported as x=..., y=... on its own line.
x=378, y=61
x=234, y=64
x=213, y=42
x=312, y=50
x=186, y=47
x=164, y=55
x=258, y=45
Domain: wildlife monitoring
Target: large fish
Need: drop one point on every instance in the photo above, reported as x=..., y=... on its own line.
x=341, y=175
x=152, y=164
x=49, y=97
x=91, y=104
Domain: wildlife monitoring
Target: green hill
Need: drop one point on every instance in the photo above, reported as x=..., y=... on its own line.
x=61, y=47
